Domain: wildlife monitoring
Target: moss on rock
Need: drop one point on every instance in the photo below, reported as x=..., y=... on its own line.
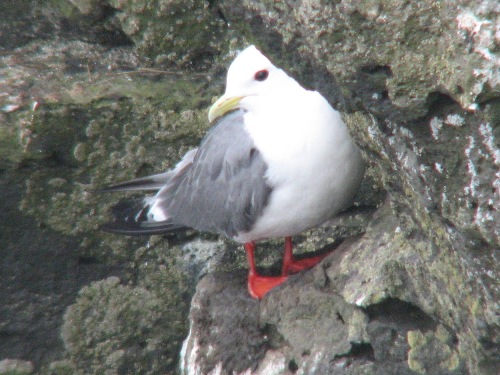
x=424, y=47
x=96, y=143
x=433, y=350
x=175, y=32
x=127, y=329
x=16, y=367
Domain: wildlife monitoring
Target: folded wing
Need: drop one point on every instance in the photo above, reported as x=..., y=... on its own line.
x=219, y=187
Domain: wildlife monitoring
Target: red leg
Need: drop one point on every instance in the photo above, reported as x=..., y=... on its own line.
x=291, y=265
x=258, y=285
x=287, y=257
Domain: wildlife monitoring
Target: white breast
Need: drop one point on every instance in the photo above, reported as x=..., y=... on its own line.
x=313, y=166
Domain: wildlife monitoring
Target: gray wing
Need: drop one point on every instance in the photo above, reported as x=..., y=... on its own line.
x=221, y=190
x=131, y=215
x=224, y=190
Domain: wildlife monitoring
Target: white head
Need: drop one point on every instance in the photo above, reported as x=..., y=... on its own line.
x=250, y=74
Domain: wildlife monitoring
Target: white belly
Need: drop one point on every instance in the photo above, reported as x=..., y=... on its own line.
x=314, y=168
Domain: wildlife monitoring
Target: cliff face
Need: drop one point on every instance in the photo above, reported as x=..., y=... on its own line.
x=103, y=90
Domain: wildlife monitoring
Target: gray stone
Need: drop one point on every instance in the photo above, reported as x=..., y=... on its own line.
x=96, y=90
x=16, y=367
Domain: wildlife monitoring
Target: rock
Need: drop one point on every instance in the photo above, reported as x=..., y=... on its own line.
x=51, y=148
x=407, y=51
x=224, y=335
x=341, y=317
x=179, y=33
x=16, y=367
x=118, y=328
x=427, y=120
x=63, y=367
x=94, y=90
x=41, y=274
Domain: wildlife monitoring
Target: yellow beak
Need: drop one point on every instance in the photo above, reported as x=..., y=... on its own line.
x=222, y=106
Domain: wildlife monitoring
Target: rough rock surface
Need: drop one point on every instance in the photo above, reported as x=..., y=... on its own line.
x=93, y=91
x=321, y=321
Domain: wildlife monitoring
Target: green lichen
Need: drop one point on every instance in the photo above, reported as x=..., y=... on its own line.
x=11, y=148
x=15, y=367
x=423, y=44
x=128, y=329
x=431, y=351
x=100, y=141
x=177, y=32
x=63, y=367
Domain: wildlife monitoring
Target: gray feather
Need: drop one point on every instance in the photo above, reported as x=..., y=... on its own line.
x=219, y=187
x=225, y=189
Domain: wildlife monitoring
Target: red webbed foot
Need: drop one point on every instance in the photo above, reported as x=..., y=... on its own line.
x=292, y=265
x=259, y=286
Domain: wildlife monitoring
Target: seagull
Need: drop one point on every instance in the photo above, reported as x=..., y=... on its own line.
x=277, y=161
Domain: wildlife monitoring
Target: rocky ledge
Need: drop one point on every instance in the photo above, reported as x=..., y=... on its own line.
x=93, y=91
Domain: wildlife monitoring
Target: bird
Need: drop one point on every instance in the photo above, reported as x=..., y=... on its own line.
x=277, y=161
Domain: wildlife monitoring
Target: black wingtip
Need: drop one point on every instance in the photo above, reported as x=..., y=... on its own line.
x=142, y=229
x=119, y=228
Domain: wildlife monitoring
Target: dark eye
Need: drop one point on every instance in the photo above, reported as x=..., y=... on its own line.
x=261, y=75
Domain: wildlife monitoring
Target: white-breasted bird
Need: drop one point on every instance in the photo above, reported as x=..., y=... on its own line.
x=278, y=160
